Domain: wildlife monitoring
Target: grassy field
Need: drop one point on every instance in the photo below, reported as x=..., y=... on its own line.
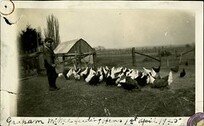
x=76, y=98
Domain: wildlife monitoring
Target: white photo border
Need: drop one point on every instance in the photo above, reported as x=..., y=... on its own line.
x=9, y=53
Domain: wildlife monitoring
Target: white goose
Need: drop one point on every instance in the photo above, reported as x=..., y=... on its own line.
x=84, y=72
x=91, y=74
x=134, y=74
x=147, y=71
x=76, y=75
x=69, y=73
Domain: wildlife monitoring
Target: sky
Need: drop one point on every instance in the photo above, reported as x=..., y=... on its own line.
x=116, y=28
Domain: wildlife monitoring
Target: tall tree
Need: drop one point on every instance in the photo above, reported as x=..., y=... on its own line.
x=52, y=30
x=29, y=39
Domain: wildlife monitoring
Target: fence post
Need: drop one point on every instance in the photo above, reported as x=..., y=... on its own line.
x=63, y=58
x=94, y=60
x=180, y=58
x=133, y=56
x=80, y=53
x=160, y=57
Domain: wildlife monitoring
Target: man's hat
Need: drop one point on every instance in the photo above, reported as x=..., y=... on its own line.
x=50, y=40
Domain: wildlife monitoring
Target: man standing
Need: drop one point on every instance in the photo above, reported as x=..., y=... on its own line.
x=49, y=64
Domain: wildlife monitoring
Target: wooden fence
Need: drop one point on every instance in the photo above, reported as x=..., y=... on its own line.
x=30, y=64
x=134, y=57
x=180, y=55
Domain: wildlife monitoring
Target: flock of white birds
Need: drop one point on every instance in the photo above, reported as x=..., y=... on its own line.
x=126, y=78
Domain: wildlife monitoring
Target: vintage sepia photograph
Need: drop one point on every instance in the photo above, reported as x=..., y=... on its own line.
x=105, y=62
x=102, y=62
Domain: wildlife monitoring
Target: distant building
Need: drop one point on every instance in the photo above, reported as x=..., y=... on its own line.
x=77, y=52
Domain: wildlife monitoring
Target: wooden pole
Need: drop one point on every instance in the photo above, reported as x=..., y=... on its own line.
x=63, y=58
x=75, y=63
x=180, y=58
x=133, y=56
x=94, y=60
x=80, y=53
x=183, y=53
x=160, y=57
x=148, y=56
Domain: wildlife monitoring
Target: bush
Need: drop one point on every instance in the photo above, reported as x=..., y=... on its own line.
x=165, y=53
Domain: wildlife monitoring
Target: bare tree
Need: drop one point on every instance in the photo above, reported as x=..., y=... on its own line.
x=52, y=30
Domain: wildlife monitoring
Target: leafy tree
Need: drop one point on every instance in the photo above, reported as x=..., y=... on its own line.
x=29, y=40
x=52, y=30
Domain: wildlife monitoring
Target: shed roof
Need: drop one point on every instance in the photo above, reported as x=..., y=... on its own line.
x=70, y=47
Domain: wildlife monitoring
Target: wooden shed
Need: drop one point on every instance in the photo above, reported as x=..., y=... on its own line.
x=76, y=51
